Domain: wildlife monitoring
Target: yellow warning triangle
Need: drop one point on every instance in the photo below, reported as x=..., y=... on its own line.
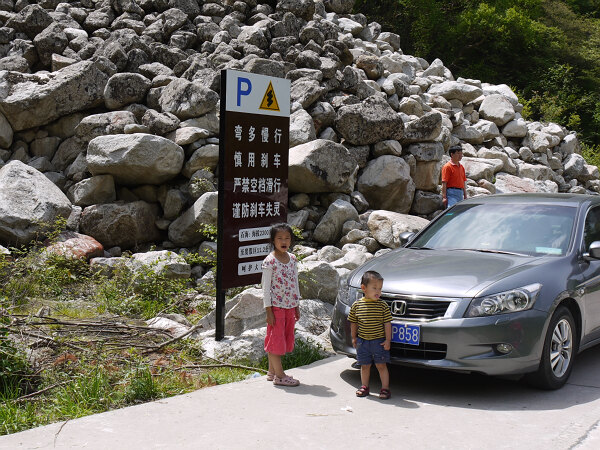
x=269, y=100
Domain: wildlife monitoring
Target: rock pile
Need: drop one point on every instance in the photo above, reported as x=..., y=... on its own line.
x=116, y=102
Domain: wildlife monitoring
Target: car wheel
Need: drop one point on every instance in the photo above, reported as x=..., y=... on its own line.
x=558, y=355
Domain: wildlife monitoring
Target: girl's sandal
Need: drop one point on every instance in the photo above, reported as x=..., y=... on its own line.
x=270, y=376
x=384, y=394
x=285, y=381
x=362, y=391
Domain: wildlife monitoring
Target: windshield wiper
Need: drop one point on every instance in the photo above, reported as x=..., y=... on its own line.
x=487, y=250
x=420, y=248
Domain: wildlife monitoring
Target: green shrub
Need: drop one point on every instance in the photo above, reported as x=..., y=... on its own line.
x=13, y=364
x=141, y=293
x=305, y=352
x=142, y=387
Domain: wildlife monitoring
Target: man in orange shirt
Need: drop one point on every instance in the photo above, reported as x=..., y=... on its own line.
x=454, y=186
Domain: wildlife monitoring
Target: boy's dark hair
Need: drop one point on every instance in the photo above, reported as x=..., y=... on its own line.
x=370, y=275
x=281, y=227
x=454, y=149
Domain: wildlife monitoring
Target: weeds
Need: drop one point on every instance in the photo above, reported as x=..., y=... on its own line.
x=88, y=364
x=305, y=352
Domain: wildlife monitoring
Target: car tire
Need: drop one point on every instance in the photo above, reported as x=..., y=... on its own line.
x=558, y=354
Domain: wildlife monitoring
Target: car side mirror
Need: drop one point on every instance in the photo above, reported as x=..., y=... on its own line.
x=593, y=252
x=407, y=236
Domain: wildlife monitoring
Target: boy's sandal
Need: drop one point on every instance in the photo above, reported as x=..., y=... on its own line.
x=384, y=394
x=285, y=381
x=270, y=376
x=362, y=391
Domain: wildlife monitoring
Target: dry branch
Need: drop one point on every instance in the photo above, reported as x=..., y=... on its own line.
x=222, y=364
x=175, y=339
x=41, y=391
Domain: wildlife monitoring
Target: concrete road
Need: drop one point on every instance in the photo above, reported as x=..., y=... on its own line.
x=428, y=410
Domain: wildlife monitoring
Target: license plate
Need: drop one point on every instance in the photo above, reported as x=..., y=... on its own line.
x=405, y=333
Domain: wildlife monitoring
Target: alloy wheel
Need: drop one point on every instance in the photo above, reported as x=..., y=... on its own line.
x=561, y=348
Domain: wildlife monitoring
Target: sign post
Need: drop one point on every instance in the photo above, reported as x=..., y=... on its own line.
x=253, y=177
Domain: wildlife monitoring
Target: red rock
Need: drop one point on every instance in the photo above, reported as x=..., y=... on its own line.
x=76, y=246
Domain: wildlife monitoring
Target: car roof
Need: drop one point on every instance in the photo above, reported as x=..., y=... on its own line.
x=564, y=199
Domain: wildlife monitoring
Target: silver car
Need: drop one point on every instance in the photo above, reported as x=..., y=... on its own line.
x=500, y=285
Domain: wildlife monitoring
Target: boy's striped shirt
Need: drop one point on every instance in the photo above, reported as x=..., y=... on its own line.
x=370, y=316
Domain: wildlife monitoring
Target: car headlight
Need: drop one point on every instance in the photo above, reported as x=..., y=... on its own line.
x=349, y=295
x=519, y=299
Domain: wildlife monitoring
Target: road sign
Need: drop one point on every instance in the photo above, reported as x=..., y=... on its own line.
x=253, y=174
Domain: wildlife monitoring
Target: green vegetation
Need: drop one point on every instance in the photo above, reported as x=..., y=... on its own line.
x=95, y=351
x=305, y=352
x=547, y=49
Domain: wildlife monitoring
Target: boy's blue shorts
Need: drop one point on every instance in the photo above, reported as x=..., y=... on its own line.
x=371, y=351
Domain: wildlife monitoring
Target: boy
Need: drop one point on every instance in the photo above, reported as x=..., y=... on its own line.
x=371, y=327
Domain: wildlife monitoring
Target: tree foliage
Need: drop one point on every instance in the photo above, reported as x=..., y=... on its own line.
x=547, y=49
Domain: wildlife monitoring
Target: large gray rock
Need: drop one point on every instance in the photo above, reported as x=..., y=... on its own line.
x=205, y=156
x=427, y=175
x=506, y=183
x=451, y=90
x=29, y=204
x=496, y=108
x=306, y=92
x=300, y=8
x=426, y=203
x=329, y=229
x=185, y=230
x=369, y=122
x=302, y=128
x=121, y=224
x=516, y=128
x=318, y=279
x=311, y=168
x=386, y=226
x=6, y=132
x=52, y=95
x=187, y=99
x=164, y=263
x=94, y=190
x=95, y=125
x=386, y=184
x=339, y=6
x=427, y=151
x=478, y=169
x=574, y=165
x=135, y=158
x=125, y=88
x=248, y=312
x=423, y=129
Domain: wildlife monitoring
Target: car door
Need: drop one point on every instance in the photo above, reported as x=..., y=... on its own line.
x=590, y=282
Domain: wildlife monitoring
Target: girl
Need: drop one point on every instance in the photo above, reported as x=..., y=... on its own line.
x=281, y=300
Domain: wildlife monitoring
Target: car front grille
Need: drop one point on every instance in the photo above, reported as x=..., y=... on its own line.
x=425, y=350
x=416, y=308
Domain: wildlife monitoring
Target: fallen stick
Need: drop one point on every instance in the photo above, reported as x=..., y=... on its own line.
x=224, y=364
x=175, y=339
x=49, y=339
x=33, y=394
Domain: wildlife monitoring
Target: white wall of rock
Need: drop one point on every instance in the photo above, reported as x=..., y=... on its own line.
x=116, y=102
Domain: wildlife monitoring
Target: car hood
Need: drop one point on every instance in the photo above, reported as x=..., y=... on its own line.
x=443, y=273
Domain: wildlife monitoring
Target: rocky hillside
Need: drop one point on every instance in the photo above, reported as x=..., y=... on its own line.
x=109, y=117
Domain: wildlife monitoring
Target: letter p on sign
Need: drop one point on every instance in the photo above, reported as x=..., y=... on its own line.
x=241, y=91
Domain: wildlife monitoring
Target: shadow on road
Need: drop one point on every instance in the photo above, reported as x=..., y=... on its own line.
x=475, y=391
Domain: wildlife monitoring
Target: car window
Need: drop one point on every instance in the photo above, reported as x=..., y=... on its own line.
x=591, y=229
x=519, y=228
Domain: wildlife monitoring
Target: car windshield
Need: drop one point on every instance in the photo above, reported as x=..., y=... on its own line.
x=526, y=229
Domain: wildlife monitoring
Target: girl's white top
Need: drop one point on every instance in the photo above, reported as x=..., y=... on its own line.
x=280, y=282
